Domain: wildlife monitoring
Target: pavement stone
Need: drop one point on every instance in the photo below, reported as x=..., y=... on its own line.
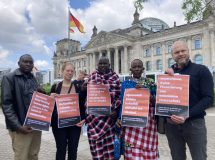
x=47, y=151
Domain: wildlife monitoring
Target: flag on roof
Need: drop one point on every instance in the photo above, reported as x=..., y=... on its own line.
x=73, y=22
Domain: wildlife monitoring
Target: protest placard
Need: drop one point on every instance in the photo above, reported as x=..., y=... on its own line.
x=135, y=107
x=39, y=112
x=98, y=99
x=67, y=109
x=172, y=95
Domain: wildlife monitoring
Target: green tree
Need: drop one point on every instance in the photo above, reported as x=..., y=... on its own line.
x=138, y=4
x=192, y=9
x=196, y=9
x=47, y=88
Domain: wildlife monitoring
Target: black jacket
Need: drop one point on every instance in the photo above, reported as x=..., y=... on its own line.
x=17, y=91
x=82, y=96
x=200, y=88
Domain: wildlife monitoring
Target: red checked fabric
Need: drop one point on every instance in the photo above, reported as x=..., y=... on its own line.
x=142, y=143
x=101, y=129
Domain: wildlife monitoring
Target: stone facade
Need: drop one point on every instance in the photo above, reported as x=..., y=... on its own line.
x=151, y=42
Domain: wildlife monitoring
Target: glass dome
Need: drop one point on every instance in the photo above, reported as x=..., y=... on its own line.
x=154, y=24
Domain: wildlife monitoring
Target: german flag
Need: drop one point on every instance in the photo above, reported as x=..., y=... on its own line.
x=73, y=22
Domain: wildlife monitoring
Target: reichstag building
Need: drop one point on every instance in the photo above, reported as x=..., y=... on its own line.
x=149, y=39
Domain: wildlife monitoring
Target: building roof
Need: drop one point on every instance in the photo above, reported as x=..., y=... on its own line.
x=66, y=40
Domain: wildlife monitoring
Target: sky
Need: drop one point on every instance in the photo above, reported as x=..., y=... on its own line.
x=34, y=26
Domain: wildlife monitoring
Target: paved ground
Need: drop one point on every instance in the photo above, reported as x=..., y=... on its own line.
x=48, y=145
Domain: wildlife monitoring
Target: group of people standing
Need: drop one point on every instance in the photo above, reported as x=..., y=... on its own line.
x=140, y=143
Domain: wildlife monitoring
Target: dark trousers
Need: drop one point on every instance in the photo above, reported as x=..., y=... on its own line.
x=66, y=138
x=193, y=133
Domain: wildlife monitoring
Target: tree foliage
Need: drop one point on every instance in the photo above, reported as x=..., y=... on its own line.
x=192, y=9
x=208, y=11
x=196, y=9
x=47, y=88
x=138, y=4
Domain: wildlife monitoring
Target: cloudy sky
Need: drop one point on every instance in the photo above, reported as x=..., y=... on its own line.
x=34, y=26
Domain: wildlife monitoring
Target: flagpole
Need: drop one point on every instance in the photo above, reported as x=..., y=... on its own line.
x=68, y=20
x=68, y=25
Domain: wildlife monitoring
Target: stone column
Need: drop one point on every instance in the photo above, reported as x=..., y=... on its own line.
x=125, y=62
x=108, y=55
x=116, y=60
x=206, y=49
x=189, y=43
x=153, y=62
x=60, y=69
x=55, y=70
x=164, y=60
x=100, y=54
x=82, y=63
x=122, y=61
x=88, y=63
x=212, y=48
x=76, y=67
x=93, y=61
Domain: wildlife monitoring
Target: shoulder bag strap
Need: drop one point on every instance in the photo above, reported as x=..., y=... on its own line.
x=70, y=87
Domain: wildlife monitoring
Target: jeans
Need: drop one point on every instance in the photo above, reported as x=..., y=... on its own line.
x=193, y=133
x=66, y=138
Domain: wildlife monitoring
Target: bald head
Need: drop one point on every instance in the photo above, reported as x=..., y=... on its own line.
x=179, y=43
x=104, y=65
x=137, y=61
x=136, y=68
x=180, y=53
x=104, y=58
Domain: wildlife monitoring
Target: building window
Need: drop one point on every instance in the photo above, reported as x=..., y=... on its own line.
x=198, y=59
x=147, y=53
x=84, y=63
x=159, y=65
x=170, y=62
x=158, y=51
x=79, y=64
x=169, y=48
x=197, y=43
x=148, y=66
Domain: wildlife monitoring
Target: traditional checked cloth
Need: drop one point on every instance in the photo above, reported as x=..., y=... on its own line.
x=142, y=143
x=103, y=148
x=139, y=154
x=101, y=128
x=112, y=79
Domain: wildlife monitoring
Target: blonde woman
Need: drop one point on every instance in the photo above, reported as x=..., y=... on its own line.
x=67, y=138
